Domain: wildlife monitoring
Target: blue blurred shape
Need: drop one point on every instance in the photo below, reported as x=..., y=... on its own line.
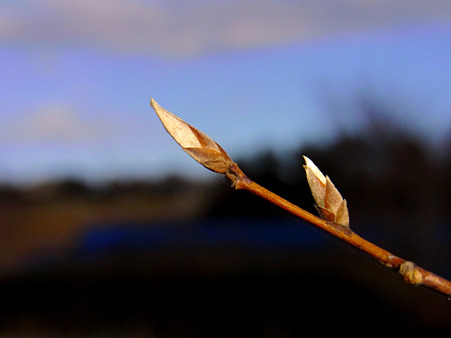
x=256, y=234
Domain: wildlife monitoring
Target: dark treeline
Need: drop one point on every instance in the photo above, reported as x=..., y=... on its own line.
x=77, y=188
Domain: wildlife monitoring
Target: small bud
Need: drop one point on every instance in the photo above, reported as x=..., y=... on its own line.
x=329, y=203
x=197, y=144
x=411, y=273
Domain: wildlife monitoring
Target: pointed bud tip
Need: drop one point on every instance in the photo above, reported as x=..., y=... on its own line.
x=155, y=106
x=309, y=164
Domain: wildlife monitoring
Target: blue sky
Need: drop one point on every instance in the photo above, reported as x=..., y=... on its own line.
x=76, y=78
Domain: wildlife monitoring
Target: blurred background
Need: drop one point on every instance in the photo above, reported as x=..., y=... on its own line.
x=107, y=228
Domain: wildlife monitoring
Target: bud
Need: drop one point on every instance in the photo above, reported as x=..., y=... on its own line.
x=329, y=203
x=197, y=144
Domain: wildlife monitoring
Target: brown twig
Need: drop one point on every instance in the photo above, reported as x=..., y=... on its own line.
x=411, y=273
x=208, y=153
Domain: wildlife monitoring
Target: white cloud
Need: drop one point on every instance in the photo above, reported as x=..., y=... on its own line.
x=181, y=28
x=52, y=122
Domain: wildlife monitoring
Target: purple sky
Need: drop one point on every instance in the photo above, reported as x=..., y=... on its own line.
x=76, y=78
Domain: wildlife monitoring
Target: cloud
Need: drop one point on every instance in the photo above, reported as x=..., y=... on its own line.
x=53, y=122
x=184, y=28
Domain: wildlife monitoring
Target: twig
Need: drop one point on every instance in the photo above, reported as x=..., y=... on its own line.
x=208, y=153
x=411, y=273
